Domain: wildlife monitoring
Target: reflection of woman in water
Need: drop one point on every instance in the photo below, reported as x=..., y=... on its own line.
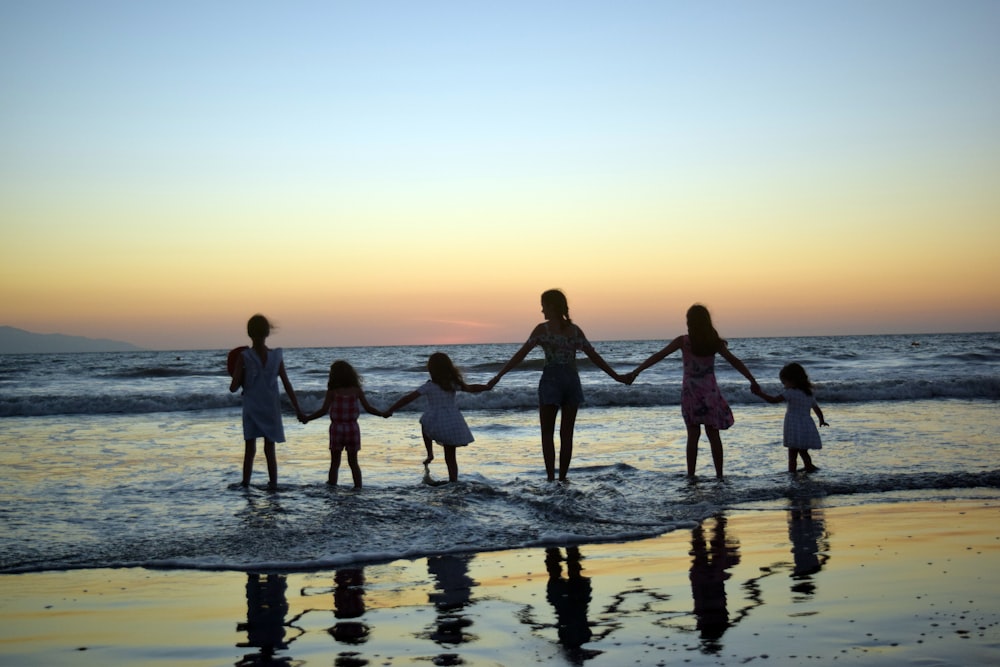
x=807, y=533
x=265, y=626
x=569, y=597
x=349, y=603
x=710, y=558
x=453, y=590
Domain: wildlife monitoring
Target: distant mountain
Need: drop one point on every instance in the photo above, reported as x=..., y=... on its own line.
x=18, y=341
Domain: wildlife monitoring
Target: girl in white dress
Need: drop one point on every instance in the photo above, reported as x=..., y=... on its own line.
x=442, y=421
x=801, y=433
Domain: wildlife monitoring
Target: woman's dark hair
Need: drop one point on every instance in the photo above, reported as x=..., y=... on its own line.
x=557, y=301
x=704, y=338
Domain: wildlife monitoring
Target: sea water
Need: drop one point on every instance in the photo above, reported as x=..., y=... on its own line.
x=133, y=459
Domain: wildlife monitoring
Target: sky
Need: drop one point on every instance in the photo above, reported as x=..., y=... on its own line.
x=386, y=173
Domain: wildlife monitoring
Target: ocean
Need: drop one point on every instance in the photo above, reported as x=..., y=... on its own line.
x=133, y=459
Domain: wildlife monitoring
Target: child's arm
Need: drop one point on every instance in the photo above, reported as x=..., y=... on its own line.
x=654, y=359
x=767, y=397
x=322, y=411
x=368, y=406
x=238, y=372
x=475, y=388
x=409, y=398
x=819, y=413
x=291, y=392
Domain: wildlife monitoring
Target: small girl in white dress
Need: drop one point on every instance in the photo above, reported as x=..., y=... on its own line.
x=442, y=421
x=801, y=433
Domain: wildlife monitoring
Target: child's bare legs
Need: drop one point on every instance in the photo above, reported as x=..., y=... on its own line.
x=715, y=440
x=452, y=462
x=566, y=427
x=807, y=461
x=249, y=452
x=331, y=478
x=793, y=459
x=352, y=461
x=694, y=434
x=547, y=418
x=429, y=445
x=272, y=464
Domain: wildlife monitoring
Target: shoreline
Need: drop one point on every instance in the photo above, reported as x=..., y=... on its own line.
x=887, y=583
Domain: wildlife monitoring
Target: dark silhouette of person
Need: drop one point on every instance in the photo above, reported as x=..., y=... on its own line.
x=570, y=597
x=267, y=607
x=452, y=594
x=349, y=605
x=712, y=554
x=807, y=533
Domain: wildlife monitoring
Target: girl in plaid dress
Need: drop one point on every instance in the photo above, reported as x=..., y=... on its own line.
x=800, y=433
x=343, y=395
x=442, y=421
x=702, y=404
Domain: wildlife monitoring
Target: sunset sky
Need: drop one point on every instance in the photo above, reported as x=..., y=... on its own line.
x=419, y=172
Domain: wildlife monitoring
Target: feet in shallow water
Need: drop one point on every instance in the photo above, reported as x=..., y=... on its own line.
x=811, y=469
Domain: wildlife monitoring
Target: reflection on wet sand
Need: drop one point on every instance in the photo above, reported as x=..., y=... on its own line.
x=267, y=606
x=810, y=544
x=452, y=594
x=588, y=613
x=712, y=555
x=348, y=605
x=570, y=597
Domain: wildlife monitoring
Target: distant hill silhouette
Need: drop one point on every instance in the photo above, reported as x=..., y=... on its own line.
x=19, y=341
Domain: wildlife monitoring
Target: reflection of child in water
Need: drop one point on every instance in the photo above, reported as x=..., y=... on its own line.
x=806, y=529
x=349, y=603
x=453, y=591
x=266, y=610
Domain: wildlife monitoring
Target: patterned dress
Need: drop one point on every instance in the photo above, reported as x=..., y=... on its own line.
x=261, y=402
x=344, y=430
x=800, y=429
x=701, y=400
x=560, y=381
x=442, y=421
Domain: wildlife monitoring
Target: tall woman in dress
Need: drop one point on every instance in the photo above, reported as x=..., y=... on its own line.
x=559, y=387
x=702, y=404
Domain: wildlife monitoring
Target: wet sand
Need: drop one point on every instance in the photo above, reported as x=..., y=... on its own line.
x=907, y=583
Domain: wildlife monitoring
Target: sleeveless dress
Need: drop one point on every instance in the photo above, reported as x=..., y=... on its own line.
x=560, y=381
x=442, y=421
x=701, y=400
x=344, y=430
x=261, y=402
x=800, y=429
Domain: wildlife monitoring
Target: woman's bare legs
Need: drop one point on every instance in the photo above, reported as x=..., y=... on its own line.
x=566, y=427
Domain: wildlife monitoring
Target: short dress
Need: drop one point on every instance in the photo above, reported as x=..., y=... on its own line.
x=701, y=400
x=344, y=430
x=560, y=381
x=800, y=429
x=442, y=421
x=261, y=402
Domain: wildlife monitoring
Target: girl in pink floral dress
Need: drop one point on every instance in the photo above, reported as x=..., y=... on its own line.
x=702, y=404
